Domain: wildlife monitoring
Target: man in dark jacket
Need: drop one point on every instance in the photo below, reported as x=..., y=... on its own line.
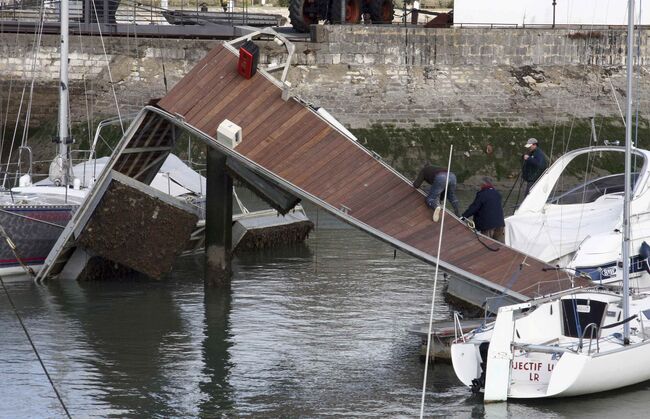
x=437, y=178
x=487, y=212
x=535, y=163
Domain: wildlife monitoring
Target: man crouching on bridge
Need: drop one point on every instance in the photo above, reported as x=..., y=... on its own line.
x=437, y=178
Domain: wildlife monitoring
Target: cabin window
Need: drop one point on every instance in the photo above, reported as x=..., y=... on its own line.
x=578, y=313
x=592, y=175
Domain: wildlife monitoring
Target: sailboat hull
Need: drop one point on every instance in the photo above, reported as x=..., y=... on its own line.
x=579, y=374
x=33, y=230
x=558, y=347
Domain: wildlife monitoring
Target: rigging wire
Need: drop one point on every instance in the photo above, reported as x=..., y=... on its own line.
x=31, y=343
x=89, y=112
x=108, y=67
x=37, y=46
x=435, y=285
x=13, y=138
x=620, y=111
x=6, y=118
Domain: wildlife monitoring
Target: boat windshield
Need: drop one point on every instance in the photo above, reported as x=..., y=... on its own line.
x=594, y=189
x=592, y=175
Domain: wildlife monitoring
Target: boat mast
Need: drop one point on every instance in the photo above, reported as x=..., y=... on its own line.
x=628, y=175
x=64, y=136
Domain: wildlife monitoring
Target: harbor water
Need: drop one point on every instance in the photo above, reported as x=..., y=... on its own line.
x=310, y=330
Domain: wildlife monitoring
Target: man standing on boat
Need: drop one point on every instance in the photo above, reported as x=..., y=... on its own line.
x=487, y=212
x=535, y=163
x=437, y=178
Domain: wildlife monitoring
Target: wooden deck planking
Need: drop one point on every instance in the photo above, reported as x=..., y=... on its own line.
x=313, y=163
x=381, y=184
x=379, y=205
x=258, y=128
x=203, y=79
x=343, y=169
x=282, y=136
x=393, y=215
x=422, y=219
x=296, y=145
x=260, y=139
x=266, y=101
x=214, y=112
x=369, y=170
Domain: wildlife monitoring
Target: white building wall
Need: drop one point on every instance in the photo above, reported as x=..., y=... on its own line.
x=540, y=12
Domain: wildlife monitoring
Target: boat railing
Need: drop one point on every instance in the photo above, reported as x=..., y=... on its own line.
x=458, y=328
x=547, y=349
x=593, y=329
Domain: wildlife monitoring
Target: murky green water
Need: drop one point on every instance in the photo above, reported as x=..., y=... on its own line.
x=308, y=331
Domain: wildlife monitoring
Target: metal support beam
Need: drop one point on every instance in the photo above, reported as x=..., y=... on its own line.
x=218, y=222
x=270, y=192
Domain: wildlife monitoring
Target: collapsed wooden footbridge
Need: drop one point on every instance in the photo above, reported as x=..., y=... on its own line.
x=287, y=143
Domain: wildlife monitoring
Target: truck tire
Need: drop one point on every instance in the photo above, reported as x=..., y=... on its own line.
x=352, y=11
x=303, y=13
x=382, y=11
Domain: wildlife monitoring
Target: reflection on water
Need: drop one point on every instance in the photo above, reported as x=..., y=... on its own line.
x=308, y=331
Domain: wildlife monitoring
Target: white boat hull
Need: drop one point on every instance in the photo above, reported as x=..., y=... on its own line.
x=579, y=374
x=550, y=348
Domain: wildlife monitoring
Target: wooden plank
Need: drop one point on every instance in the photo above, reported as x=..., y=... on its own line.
x=315, y=163
x=212, y=112
x=369, y=170
x=306, y=154
x=340, y=171
x=291, y=128
x=184, y=84
x=206, y=78
x=294, y=151
x=264, y=92
x=263, y=138
x=412, y=221
x=380, y=184
x=196, y=113
x=394, y=189
x=260, y=126
x=268, y=101
x=404, y=205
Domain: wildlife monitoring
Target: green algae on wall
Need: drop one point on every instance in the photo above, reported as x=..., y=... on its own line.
x=487, y=150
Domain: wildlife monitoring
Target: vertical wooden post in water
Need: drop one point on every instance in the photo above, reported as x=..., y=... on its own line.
x=218, y=222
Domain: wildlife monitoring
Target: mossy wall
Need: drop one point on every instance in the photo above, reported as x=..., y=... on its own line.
x=489, y=150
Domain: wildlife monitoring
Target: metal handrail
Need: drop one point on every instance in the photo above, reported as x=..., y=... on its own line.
x=593, y=327
x=458, y=328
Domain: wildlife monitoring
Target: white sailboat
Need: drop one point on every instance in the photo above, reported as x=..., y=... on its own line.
x=580, y=342
x=32, y=217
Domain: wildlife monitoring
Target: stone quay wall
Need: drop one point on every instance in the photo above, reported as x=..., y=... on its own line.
x=364, y=75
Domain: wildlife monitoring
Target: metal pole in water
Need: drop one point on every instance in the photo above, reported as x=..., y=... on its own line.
x=218, y=222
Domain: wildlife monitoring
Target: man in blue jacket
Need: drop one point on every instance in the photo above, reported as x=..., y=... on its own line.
x=535, y=163
x=487, y=212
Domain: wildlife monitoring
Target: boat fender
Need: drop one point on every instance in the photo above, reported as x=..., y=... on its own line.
x=644, y=252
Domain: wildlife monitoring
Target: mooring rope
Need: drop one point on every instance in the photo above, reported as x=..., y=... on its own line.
x=31, y=342
x=14, y=250
x=470, y=224
x=435, y=285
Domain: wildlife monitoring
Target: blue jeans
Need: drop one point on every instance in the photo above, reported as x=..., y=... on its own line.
x=437, y=192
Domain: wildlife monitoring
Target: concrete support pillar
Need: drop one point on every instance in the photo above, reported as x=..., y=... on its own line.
x=218, y=222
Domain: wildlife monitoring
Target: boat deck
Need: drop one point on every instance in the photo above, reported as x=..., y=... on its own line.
x=289, y=140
